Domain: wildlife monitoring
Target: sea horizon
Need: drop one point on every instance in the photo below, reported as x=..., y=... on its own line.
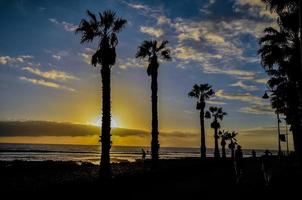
x=91, y=153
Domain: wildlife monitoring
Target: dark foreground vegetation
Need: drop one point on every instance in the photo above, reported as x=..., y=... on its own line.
x=184, y=178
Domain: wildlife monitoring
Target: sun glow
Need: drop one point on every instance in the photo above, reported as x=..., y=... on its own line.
x=98, y=122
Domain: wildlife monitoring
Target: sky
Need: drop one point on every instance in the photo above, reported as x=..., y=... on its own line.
x=45, y=73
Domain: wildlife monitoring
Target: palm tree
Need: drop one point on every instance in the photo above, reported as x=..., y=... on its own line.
x=233, y=142
x=225, y=136
x=280, y=51
x=216, y=114
x=152, y=51
x=105, y=31
x=202, y=92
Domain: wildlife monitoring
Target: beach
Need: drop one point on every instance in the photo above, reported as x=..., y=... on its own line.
x=178, y=178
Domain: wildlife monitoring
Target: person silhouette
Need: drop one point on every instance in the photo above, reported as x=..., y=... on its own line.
x=143, y=154
x=238, y=163
x=267, y=167
x=254, y=154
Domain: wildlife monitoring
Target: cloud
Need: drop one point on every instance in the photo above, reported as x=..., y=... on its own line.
x=254, y=8
x=46, y=83
x=238, y=27
x=86, y=55
x=137, y=6
x=49, y=128
x=215, y=102
x=241, y=85
x=257, y=104
x=244, y=97
x=14, y=60
x=130, y=62
x=205, y=8
x=257, y=109
x=241, y=74
x=262, y=80
x=152, y=31
x=262, y=131
x=187, y=53
x=57, y=57
x=66, y=25
x=52, y=74
x=162, y=19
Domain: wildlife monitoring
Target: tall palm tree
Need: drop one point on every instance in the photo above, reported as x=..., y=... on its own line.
x=202, y=92
x=280, y=51
x=152, y=50
x=104, y=30
x=217, y=114
x=228, y=136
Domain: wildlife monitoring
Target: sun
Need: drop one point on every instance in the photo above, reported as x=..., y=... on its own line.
x=98, y=122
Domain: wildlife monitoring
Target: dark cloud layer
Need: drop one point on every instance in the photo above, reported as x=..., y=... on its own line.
x=48, y=128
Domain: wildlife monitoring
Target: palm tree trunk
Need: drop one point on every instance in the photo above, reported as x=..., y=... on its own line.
x=223, y=154
x=105, y=168
x=154, y=142
x=297, y=138
x=216, y=150
x=203, y=135
x=233, y=153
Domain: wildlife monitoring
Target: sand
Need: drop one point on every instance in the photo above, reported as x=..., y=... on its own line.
x=180, y=178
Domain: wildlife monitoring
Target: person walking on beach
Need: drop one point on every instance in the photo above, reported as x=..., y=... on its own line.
x=238, y=163
x=143, y=155
x=267, y=167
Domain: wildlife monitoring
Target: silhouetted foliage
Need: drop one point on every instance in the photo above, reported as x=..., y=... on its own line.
x=217, y=114
x=152, y=50
x=202, y=92
x=228, y=136
x=105, y=31
x=281, y=58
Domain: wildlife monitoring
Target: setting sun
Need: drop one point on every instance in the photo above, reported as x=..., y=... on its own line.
x=98, y=122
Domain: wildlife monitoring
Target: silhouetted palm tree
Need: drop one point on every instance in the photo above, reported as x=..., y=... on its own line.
x=202, y=92
x=216, y=114
x=225, y=136
x=152, y=51
x=281, y=57
x=105, y=31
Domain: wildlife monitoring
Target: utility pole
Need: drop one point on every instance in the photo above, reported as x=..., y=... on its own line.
x=300, y=25
x=279, y=142
x=286, y=133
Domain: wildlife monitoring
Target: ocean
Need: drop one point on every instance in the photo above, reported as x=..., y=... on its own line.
x=91, y=153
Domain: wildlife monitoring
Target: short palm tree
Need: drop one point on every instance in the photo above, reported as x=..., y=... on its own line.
x=105, y=31
x=217, y=114
x=232, y=144
x=228, y=136
x=152, y=50
x=202, y=92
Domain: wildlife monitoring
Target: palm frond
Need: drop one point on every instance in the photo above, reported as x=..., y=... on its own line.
x=118, y=25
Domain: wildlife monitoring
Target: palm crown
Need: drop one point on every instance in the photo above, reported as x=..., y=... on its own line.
x=228, y=135
x=106, y=28
x=216, y=113
x=203, y=91
x=152, y=50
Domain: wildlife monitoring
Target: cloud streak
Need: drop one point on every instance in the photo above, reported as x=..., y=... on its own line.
x=243, y=86
x=66, y=25
x=52, y=74
x=44, y=83
x=6, y=60
x=152, y=31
